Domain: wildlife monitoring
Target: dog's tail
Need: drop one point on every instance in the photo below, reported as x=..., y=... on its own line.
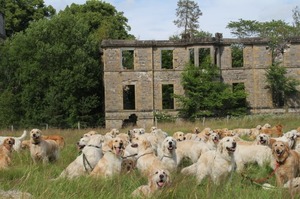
x=23, y=136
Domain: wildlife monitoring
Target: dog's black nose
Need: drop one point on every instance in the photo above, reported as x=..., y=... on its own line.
x=234, y=144
x=161, y=176
x=170, y=143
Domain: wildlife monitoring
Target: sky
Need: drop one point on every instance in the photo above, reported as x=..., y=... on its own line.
x=153, y=19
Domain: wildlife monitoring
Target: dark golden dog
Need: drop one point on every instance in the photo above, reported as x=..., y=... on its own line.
x=5, y=152
x=287, y=162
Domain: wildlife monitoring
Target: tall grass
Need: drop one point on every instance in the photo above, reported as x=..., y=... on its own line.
x=25, y=176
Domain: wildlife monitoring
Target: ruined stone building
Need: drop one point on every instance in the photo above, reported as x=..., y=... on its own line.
x=137, y=73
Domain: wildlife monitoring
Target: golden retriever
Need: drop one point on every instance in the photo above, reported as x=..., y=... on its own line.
x=157, y=180
x=250, y=154
x=179, y=136
x=128, y=165
x=275, y=131
x=190, y=149
x=42, y=150
x=146, y=160
x=88, y=158
x=287, y=162
x=57, y=138
x=5, y=152
x=214, y=163
x=18, y=140
x=167, y=153
x=111, y=162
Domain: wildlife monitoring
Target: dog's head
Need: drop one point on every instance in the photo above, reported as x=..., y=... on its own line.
x=227, y=144
x=263, y=139
x=214, y=137
x=158, y=179
x=169, y=144
x=128, y=165
x=179, y=136
x=117, y=146
x=90, y=133
x=35, y=136
x=141, y=143
x=83, y=142
x=280, y=151
x=8, y=143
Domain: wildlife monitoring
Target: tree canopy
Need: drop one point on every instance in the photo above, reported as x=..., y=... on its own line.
x=206, y=95
x=51, y=72
x=188, y=13
x=20, y=13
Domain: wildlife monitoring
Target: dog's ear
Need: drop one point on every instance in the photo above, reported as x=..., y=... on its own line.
x=110, y=144
x=146, y=144
x=271, y=142
x=220, y=146
x=287, y=147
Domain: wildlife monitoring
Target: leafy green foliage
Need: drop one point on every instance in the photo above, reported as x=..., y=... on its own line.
x=19, y=14
x=53, y=71
x=206, y=95
x=281, y=86
x=237, y=55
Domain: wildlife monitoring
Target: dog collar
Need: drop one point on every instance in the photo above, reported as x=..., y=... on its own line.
x=94, y=146
x=36, y=143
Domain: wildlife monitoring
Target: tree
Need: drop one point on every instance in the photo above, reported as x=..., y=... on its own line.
x=277, y=32
x=188, y=13
x=196, y=34
x=206, y=95
x=53, y=69
x=281, y=86
x=296, y=23
x=20, y=13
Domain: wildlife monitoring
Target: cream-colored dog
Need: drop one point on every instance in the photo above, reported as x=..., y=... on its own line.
x=217, y=164
x=250, y=154
x=157, y=180
x=88, y=158
x=42, y=150
x=167, y=153
x=111, y=162
x=190, y=149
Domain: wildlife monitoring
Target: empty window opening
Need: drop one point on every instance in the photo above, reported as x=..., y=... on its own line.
x=130, y=122
x=129, y=97
x=167, y=59
x=128, y=59
x=192, y=56
x=167, y=96
x=204, y=56
x=237, y=55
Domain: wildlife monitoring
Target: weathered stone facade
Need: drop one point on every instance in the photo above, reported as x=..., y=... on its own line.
x=148, y=76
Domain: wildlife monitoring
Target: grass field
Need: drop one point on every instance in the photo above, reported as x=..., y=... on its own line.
x=23, y=175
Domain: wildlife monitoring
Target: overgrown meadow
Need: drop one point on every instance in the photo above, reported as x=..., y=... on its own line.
x=24, y=176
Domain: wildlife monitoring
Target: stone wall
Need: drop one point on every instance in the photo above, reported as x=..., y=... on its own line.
x=148, y=76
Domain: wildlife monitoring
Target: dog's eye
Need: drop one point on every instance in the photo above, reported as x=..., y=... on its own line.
x=156, y=172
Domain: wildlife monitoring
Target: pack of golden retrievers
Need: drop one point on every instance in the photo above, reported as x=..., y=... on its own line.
x=157, y=155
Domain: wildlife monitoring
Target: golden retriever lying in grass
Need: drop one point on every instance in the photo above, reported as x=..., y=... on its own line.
x=217, y=164
x=86, y=161
x=157, y=180
x=42, y=150
x=5, y=152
